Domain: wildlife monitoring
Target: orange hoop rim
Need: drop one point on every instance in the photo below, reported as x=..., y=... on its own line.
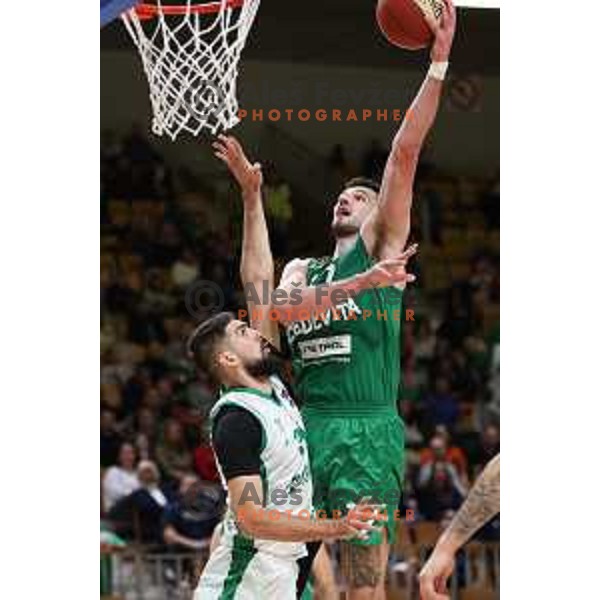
x=148, y=11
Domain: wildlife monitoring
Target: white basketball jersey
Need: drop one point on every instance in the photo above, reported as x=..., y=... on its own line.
x=285, y=468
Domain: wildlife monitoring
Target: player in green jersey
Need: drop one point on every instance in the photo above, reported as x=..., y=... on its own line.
x=347, y=368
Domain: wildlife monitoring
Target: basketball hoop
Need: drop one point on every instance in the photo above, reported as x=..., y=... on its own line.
x=190, y=54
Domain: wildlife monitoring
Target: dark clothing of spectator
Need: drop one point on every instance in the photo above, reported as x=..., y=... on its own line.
x=439, y=490
x=110, y=442
x=138, y=516
x=196, y=515
x=205, y=464
x=442, y=409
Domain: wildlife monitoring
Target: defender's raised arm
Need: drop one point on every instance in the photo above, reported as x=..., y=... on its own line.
x=257, y=260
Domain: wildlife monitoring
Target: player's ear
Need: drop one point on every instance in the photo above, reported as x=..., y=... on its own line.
x=225, y=358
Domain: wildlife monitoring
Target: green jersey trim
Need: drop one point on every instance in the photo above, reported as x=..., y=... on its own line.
x=254, y=392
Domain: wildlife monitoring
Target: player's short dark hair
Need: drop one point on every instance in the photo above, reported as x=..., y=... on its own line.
x=203, y=340
x=366, y=182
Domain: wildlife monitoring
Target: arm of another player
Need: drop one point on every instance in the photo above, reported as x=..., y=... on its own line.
x=299, y=301
x=237, y=442
x=246, y=495
x=481, y=504
x=386, y=230
x=171, y=536
x=257, y=260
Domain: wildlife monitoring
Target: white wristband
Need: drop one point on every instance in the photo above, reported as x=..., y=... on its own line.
x=437, y=70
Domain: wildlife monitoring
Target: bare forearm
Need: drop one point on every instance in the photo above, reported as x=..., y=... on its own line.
x=298, y=302
x=386, y=232
x=285, y=527
x=419, y=117
x=172, y=537
x=257, y=264
x=481, y=504
x=313, y=301
x=257, y=260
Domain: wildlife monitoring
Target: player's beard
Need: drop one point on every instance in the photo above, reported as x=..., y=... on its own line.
x=269, y=364
x=341, y=230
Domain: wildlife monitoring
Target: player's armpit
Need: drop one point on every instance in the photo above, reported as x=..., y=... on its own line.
x=294, y=274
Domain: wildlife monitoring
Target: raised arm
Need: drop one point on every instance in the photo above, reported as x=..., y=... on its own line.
x=293, y=300
x=386, y=231
x=257, y=261
x=481, y=504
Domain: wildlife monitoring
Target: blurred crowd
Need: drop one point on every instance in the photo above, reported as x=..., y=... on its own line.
x=162, y=230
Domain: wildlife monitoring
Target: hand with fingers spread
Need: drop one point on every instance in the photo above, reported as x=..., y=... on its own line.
x=443, y=32
x=391, y=271
x=248, y=175
x=361, y=519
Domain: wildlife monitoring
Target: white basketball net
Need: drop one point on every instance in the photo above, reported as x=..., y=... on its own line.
x=191, y=61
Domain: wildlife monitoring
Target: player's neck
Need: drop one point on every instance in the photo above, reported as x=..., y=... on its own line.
x=245, y=380
x=344, y=244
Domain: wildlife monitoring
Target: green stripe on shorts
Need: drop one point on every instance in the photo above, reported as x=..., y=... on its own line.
x=242, y=553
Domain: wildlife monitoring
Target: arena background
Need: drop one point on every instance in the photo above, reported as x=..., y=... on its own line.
x=171, y=215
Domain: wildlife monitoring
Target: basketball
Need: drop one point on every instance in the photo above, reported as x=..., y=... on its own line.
x=403, y=23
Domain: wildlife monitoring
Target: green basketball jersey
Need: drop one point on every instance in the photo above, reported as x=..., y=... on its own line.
x=348, y=361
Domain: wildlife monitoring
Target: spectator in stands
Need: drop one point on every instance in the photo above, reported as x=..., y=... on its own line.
x=464, y=378
x=152, y=399
x=185, y=269
x=424, y=350
x=200, y=394
x=189, y=521
x=438, y=486
x=174, y=348
x=138, y=515
x=220, y=274
x=441, y=405
x=440, y=447
x=121, y=479
x=457, y=322
x=164, y=386
x=278, y=209
x=172, y=453
x=204, y=460
x=157, y=367
x=169, y=242
x=135, y=388
x=111, y=398
x=110, y=438
x=146, y=433
x=413, y=436
x=488, y=447
x=430, y=211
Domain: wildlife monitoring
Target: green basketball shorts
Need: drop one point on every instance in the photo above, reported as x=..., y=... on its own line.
x=354, y=457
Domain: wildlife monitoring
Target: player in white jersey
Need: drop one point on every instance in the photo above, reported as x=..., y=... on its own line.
x=259, y=440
